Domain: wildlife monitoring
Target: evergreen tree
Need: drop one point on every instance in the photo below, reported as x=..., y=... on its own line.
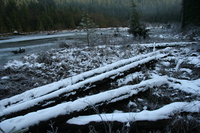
x=31, y=15
x=39, y=25
x=25, y=17
x=2, y=16
x=192, y=14
x=134, y=20
x=88, y=25
x=9, y=25
x=135, y=27
x=183, y=14
x=71, y=21
x=1, y=24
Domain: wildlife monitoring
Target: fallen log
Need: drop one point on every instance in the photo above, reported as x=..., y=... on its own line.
x=64, y=111
x=169, y=44
x=142, y=121
x=63, y=94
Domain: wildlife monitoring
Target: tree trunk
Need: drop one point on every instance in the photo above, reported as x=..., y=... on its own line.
x=88, y=39
x=183, y=15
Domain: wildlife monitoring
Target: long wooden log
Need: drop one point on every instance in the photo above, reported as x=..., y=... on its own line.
x=147, y=120
x=64, y=111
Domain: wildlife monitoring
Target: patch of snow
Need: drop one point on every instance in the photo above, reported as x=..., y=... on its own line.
x=132, y=104
x=140, y=100
x=117, y=111
x=169, y=44
x=5, y=78
x=180, y=61
x=129, y=78
x=194, y=60
x=165, y=63
x=186, y=85
x=145, y=108
x=137, y=110
x=15, y=64
x=128, y=124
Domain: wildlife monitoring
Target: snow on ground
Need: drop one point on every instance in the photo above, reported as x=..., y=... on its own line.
x=194, y=60
x=186, y=86
x=40, y=91
x=168, y=44
x=30, y=103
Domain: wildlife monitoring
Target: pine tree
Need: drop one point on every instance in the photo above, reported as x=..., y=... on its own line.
x=2, y=16
x=192, y=12
x=1, y=24
x=71, y=21
x=134, y=20
x=135, y=27
x=9, y=25
x=25, y=17
x=183, y=14
x=88, y=25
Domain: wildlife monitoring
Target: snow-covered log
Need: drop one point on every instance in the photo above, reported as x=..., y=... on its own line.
x=169, y=44
x=162, y=113
x=144, y=120
x=64, y=111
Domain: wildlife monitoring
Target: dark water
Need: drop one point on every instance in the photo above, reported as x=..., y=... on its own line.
x=38, y=43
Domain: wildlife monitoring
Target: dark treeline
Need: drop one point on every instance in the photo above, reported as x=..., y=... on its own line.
x=159, y=10
x=192, y=12
x=34, y=15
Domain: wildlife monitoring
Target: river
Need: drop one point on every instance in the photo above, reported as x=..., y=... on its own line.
x=32, y=43
x=42, y=42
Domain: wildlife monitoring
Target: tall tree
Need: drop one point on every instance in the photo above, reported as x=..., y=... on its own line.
x=24, y=17
x=135, y=27
x=88, y=25
x=183, y=14
x=2, y=16
x=193, y=12
x=190, y=13
x=134, y=20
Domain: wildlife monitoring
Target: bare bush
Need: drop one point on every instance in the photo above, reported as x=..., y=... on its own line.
x=45, y=58
x=183, y=124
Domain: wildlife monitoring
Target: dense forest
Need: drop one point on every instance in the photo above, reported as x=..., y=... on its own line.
x=193, y=12
x=34, y=15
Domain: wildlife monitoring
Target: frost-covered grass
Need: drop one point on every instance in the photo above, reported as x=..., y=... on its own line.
x=42, y=68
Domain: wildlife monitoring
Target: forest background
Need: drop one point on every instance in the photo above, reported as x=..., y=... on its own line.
x=39, y=15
